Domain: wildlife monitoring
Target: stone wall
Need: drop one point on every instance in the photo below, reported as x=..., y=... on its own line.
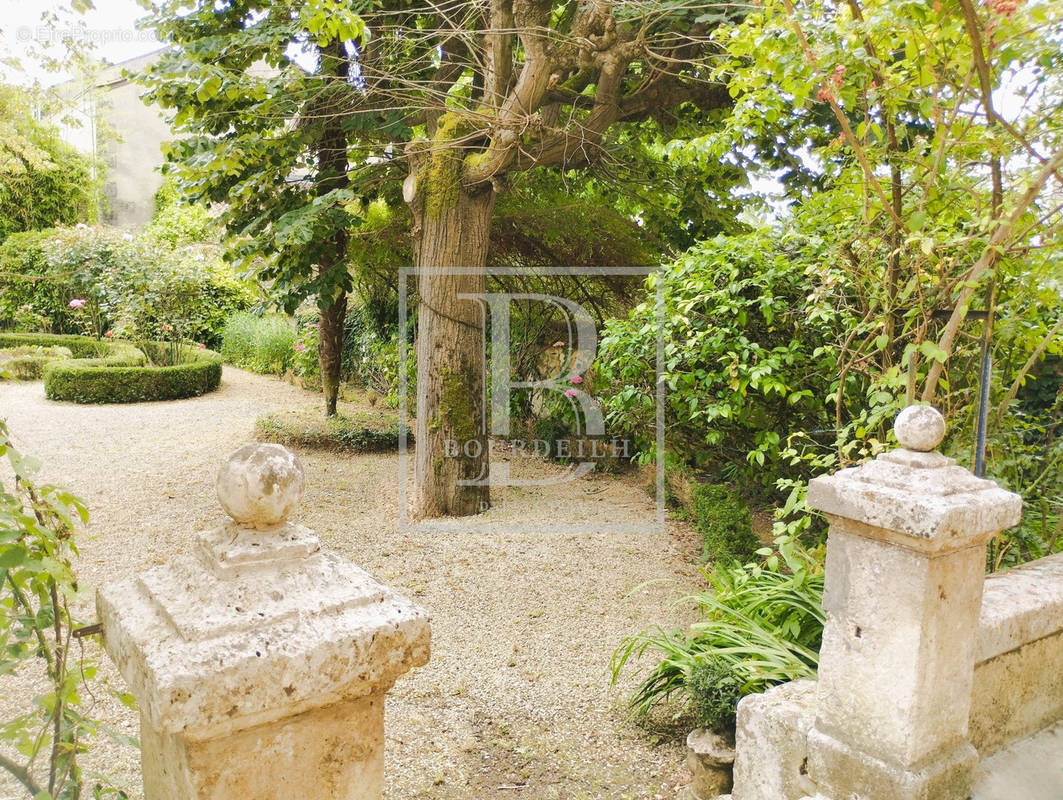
x=932, y=676
x=1018, y=676
x=1018, y=688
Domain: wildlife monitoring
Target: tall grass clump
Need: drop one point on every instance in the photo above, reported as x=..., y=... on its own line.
x=761, y=625
x=259, y=343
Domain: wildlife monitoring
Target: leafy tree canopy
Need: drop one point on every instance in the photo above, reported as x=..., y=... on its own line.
x=43, y=181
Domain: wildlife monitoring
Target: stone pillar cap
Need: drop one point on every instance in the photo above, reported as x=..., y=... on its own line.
x=257, y=622
x=917, y=493
x=260, y=484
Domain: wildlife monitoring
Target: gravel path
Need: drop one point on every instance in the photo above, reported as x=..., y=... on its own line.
x=515, y=702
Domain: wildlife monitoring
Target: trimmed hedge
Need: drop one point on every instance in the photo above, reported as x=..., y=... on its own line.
x=362, y=432
x=725, y=524
x=124, y=376
x=79, y=346
x=27, y=362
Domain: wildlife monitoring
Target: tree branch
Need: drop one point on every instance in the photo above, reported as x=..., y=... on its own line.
x=985, y=261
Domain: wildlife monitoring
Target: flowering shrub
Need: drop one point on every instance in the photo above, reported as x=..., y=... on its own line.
x=91, y=280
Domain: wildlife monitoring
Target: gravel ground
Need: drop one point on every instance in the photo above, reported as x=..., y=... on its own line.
x=515, y=701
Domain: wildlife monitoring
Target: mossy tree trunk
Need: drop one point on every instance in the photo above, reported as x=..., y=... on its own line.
x=330, y=329
x=451, y=230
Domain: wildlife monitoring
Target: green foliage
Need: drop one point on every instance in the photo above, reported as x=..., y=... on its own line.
x=79, y=346
x=43, y=181
x=761, y=625
x=924, y=212
x=133, y=286
x=371, y=356
x=723, y=520
x=263, y=344
x=305, y=362
x=236, y=146
x=746, y=355
x=26, y=363
x=38, y=588
x=714, y=693
x=352, y=432
x=125, y=376
x=178, y=222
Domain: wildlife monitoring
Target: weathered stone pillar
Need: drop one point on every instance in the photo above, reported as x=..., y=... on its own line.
x=260, y=661
x=904, y=573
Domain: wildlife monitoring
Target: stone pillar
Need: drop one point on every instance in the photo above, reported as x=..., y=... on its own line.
x=259, y=660
x=903, y=587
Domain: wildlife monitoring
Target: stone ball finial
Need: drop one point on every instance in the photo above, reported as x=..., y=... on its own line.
x=260, y=484
x=919, y=428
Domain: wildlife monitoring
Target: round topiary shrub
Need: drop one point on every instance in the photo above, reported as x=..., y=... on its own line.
x=127, y=374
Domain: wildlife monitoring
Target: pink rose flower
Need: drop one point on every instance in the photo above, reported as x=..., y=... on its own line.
x=576, y=379
x=299, y=347
x=77, y=302
x=570, y=392
x=202, y=347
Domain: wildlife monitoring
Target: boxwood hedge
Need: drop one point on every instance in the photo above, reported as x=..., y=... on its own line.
x=27, y=362
x=118, y=372
x=79, y=346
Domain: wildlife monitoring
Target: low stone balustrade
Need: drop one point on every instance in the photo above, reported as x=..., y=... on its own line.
x=259, y=660
x=922, y=673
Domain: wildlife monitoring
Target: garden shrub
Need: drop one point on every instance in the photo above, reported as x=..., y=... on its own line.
x=357, y=432
x=123, y=377
x=714, y=694
x=263, y=344
x=55, y=681
x=79, y=346
x=94, y=280
x=43, y=180
x=179, y=223
x=371, y=355
x=725, y=524
x=760, y=623
x=749, y=356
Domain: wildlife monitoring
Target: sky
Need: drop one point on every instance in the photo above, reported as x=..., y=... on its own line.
x=109, y=27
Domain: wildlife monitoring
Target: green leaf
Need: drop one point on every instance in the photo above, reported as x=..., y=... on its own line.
x=931, y=350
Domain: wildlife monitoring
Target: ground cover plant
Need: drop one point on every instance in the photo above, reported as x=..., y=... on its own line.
x=347, y=431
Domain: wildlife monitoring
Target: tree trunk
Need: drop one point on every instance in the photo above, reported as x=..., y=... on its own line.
x=330, y=350
x=332, y=174
x=451, y=229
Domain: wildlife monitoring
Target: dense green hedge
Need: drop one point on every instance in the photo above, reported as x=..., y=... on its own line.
x=124, y=376
x=79, y=346
x=27, y=362
x=725, y=524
